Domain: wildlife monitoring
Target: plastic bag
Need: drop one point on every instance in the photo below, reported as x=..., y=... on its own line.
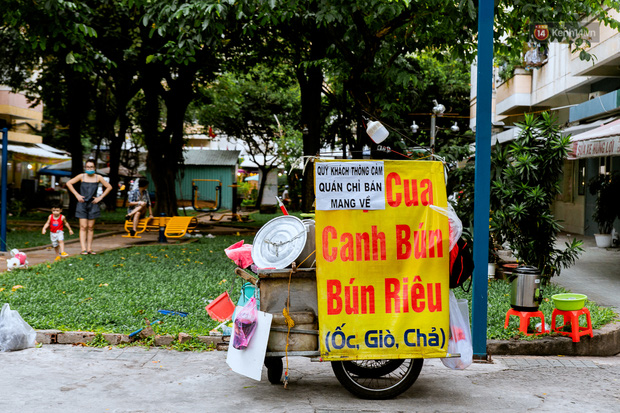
x=240, y=254
x=456, y=226
x=245, y=325
x=460, y=336
x=15, y=333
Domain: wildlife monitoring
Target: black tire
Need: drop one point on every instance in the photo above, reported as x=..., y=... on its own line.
x=274, y=369
x=372, y=368
x=382, y=387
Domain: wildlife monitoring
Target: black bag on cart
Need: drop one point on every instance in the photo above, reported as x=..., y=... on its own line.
x=461, y=263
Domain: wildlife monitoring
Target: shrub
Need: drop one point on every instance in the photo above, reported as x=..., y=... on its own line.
x=527, y=175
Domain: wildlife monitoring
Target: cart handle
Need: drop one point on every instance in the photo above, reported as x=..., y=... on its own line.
x=245, y=275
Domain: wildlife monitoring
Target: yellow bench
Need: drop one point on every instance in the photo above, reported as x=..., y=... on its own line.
x=179, y=226
x=155, y=222
x=140, y=228
x=176, y=227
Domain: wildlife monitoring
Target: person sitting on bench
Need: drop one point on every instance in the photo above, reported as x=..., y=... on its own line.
x=139, y=200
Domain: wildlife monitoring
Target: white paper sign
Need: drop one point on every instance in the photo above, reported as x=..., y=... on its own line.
x=249, y=362
x=349, y=185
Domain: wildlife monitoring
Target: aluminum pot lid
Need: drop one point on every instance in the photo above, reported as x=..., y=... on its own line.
x=527, y=269
x=279, y=242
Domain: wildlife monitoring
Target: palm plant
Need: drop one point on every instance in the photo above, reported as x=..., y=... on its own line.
x=526, y=180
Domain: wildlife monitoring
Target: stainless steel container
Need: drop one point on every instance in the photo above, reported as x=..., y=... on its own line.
x=307, y=257
x=525, y=294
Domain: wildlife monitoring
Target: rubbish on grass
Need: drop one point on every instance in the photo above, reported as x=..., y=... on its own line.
x=148, y=330
x=18, y=260
x=222, y=308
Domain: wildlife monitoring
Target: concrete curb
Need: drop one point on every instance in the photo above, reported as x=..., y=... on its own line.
x=84, y=337
x=604, y=343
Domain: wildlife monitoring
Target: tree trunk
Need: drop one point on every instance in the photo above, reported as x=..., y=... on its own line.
x=77, y=105
x=311, y=84
x=165, y=148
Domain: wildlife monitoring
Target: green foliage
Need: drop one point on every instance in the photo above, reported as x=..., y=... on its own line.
x=98, y=341
x=114, y=291
x=507, y=66
x=17, y=208
x=526, y=180
x=192, y=345
x=606, y=210
x=260, y=108
x=513, y=19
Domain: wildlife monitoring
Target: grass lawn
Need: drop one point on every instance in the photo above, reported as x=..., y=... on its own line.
x=114, y=291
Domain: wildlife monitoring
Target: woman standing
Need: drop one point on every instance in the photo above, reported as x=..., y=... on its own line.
x=88, y=203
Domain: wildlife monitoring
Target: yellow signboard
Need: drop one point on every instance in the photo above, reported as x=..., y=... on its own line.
x=382, y=259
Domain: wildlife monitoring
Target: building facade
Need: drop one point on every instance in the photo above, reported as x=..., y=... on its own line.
x=585, y=98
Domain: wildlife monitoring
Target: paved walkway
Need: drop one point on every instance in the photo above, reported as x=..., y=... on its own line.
x=113, y=239
x=595, y=274
x=78, y=379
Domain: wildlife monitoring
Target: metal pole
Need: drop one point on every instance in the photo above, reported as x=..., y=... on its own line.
x=5, y=161
x=482, y=182
x=162, y=229
x=433, y=132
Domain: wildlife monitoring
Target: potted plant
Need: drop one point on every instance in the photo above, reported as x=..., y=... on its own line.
x=524, y=184
x=607, y=206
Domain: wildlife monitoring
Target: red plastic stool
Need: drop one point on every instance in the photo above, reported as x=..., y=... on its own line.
x=572, y=317
x=524, y=320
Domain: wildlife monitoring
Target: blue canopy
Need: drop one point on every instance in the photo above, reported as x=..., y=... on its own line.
x=56, y=172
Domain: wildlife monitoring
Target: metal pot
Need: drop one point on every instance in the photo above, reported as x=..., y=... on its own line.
x=525, y=294
x=307, y=257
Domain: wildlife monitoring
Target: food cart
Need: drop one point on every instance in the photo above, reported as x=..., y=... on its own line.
x=365, y=284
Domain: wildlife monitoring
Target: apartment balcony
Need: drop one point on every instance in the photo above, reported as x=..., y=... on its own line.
x=515, y=94
x=19, y=117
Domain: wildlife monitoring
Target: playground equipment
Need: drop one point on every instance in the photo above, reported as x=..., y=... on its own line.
x=196, y=195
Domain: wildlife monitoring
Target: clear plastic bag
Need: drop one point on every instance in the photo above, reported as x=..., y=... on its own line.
x=15, y=333
x=456, y=226
x=245, y=325
x=460, y=336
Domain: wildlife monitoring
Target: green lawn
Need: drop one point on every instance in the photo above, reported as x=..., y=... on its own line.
x=114, y=291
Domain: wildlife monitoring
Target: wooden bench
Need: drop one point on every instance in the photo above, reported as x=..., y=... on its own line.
x=177, y=227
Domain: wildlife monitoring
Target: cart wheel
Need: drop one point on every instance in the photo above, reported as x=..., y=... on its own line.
x=274, y=369
x=372, y=368
x=375, y=386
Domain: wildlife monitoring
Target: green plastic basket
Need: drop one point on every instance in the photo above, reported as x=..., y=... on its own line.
x=569, y=302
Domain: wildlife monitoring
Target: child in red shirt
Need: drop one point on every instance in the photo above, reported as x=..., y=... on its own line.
x=56, y=222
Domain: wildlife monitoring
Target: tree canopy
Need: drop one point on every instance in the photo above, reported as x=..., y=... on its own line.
x=105, y=67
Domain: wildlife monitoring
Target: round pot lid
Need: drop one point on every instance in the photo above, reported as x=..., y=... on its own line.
x=279, y=242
